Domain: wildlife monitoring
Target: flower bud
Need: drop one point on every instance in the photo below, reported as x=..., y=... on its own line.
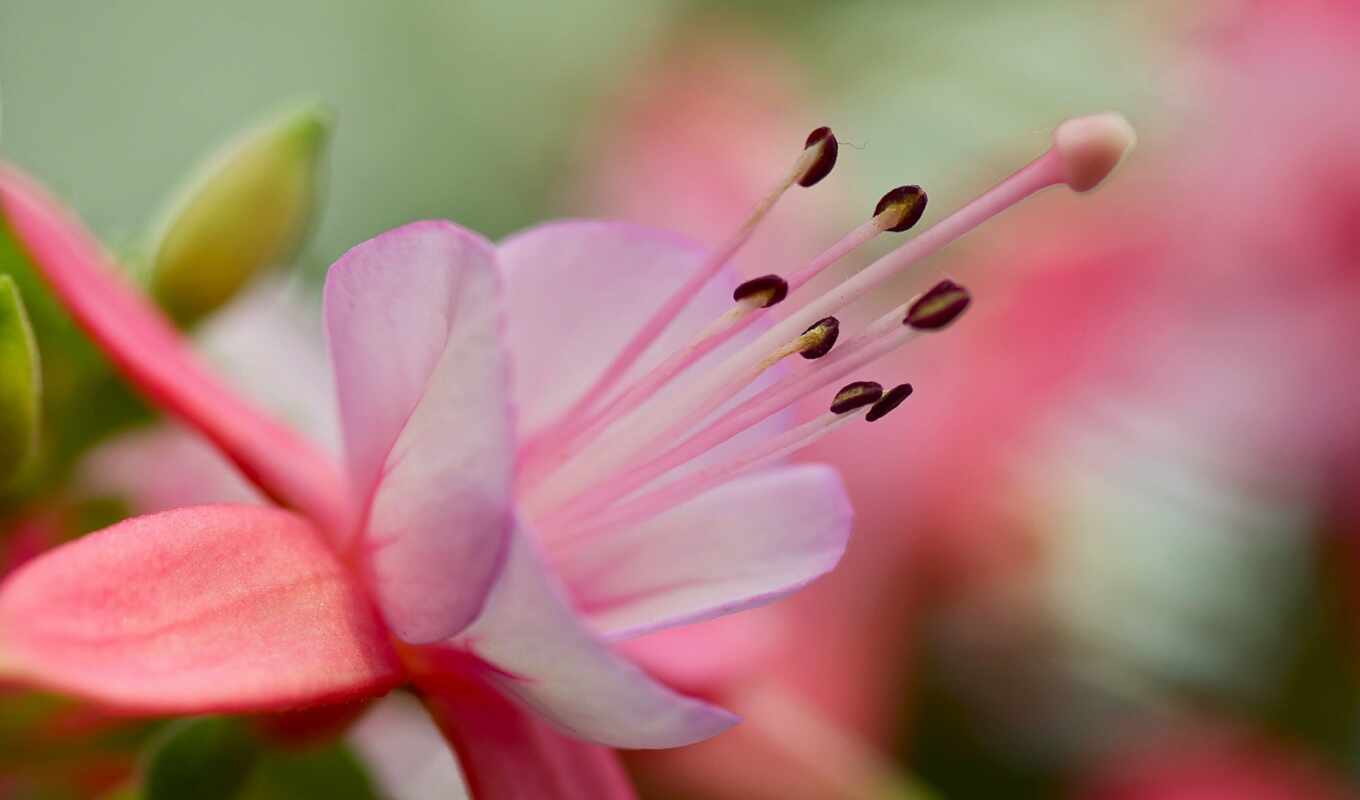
x=248, y=210
x=20, y=383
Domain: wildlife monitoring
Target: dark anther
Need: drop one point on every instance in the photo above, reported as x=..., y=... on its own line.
x=890, y=400
x=856, y=395
x=831, y=330
x=938, y=307
x=773, y=287
x=906, y=204
x=825, y=141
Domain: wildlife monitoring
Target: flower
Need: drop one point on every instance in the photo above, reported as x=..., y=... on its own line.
x=1217, y=765
x=562, y=441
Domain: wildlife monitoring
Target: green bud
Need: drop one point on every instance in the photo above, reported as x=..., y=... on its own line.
x=249, y=209
x=20, y=384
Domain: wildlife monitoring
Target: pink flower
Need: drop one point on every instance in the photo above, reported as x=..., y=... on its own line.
x=1212, y=768
x=529, y=477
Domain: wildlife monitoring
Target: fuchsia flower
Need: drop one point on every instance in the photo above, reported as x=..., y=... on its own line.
x=1214, y=768
x=552, y=445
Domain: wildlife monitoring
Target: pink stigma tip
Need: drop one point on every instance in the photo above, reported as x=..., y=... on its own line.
x=1091, y=147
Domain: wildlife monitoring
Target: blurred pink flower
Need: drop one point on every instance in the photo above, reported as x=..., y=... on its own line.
x=1206, y=769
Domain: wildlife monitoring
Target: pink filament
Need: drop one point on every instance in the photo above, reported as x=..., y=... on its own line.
x=673, y=494
x=749, y=413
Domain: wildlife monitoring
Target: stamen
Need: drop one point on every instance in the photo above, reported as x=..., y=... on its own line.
x=881, y=337
x=548, y=451
x=820, y=153
x=848, y=244
x=1073, y=158
x=1080, y=157
x=856, y=395
x=817, y=339
x=889, y=401
x=830, y=330
x=762, y=292
x=666, y=497
x=900, y=208
x=938, y=307
x=813, y=164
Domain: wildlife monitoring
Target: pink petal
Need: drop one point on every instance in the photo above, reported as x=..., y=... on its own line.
x=542, y=654
x=507, y=753
x=706, y=656
x=743, y=544
x=414, y=321
x=161, y=468
x=152, y=355
x=577, y=291
x=212, y=608
x=405, y=753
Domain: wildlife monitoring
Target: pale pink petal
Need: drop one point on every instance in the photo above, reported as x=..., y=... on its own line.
x=577, y=291
x=213, y=608
x=151, y=354
x=414, y=321
x=162, y=468
x=743, y=544
x=542, y=653
x=270, y=347
x=405, y=753
x=706, y=656
x=507, y=752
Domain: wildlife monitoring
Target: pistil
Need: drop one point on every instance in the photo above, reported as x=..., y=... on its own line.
x=1084, y=151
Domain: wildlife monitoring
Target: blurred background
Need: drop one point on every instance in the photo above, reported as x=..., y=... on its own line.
x=1107, y=551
